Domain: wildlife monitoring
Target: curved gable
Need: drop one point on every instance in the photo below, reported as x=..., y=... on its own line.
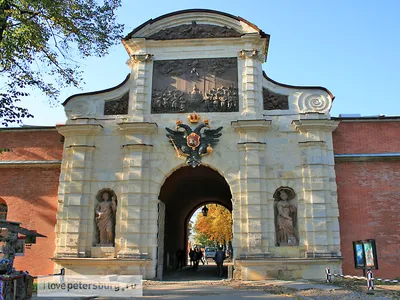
x=200, y=16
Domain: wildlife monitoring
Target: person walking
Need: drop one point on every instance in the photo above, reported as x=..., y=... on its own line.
x=219, y=260
x=196, y=259
x=191, y=256
x=202, y=257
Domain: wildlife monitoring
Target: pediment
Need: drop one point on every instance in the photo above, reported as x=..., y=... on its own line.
x=194, y=23
x=194, y=31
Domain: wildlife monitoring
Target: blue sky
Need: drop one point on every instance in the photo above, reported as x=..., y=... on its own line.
x=350, y=47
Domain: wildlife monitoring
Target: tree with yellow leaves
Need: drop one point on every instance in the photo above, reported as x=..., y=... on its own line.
x=216, y=227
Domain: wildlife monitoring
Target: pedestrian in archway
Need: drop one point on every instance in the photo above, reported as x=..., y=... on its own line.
x=219, y=260
x=179, y=259
x=196, y=259
x=202, y=256
x=191, y=256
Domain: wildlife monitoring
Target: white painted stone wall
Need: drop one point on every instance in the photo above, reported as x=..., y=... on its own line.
x=258, y=152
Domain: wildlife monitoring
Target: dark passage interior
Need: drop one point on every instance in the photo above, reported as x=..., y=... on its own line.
x=183, y=192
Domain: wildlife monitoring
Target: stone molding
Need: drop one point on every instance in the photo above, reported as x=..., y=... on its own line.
x=137, y=127
x=312, y=125
x=138, y=147
x=367, y=157
x=99, y=261
x=79, y=129
x=30, y=163
x=248, y=146
x=243, y=126
x=306, y=144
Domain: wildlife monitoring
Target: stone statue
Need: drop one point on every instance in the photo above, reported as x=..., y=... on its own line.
x=105, y=216
x=285, y=217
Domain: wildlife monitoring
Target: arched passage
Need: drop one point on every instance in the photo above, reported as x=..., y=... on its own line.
x=182, y=193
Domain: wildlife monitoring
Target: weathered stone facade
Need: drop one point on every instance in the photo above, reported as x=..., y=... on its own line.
x=260, y=150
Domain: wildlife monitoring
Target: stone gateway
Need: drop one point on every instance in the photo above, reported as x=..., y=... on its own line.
x=260, y=148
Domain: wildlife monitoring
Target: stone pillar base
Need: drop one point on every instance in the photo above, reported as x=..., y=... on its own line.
x=105, y=266
x=103, y=251
x=285, y=268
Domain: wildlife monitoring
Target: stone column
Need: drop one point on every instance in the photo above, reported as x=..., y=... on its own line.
x=137, y=231
x=319, y=229
x=253, y=198
x=251, y=78
x=75, y=209
x=141, y=71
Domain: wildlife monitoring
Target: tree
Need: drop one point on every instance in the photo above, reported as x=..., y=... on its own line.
x=38, y=42
x=216, y=227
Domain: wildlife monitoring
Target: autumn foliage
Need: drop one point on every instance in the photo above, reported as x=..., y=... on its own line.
x=216, y=227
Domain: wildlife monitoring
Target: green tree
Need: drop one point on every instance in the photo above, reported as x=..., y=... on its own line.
x=39, y=40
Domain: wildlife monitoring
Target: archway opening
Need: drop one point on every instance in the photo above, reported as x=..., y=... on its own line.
x=183, y=192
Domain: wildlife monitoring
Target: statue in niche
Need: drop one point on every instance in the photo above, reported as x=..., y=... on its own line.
x=105, y=217
x=285, y=217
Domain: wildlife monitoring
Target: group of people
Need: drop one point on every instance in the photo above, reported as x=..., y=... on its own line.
x=196, y=256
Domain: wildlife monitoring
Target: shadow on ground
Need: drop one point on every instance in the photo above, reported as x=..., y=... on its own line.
x=204, y=273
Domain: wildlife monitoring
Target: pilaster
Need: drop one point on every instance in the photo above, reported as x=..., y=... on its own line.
x=141, y=67
x=319, y=230
x=137, y=229
x=74, y=216
x=251, y=78
x=253, y=187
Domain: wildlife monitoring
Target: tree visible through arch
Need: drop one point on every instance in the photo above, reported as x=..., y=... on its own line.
x=215, y=228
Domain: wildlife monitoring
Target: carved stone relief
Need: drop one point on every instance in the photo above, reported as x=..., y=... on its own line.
x=285, y=217
x=314, y=103
x=201, y=85
x=105, y=213
x=118, y=106
x=274, y=101
x=194, y=31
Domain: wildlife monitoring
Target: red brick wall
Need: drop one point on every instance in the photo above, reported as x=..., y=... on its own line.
x=31, y=192
x=369, y=193
x=366, y=137
x=31, y=145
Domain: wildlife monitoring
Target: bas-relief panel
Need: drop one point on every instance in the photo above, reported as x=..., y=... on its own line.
x=201, y=85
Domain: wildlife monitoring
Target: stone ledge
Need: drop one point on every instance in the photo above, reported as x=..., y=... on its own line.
x=29, y=163
x=99, y=261
x=366, y=157
x=286, y=260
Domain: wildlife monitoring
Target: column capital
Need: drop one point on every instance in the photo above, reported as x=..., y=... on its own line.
x=312, y=125
x=248, y=146
x=245, y=126
x=138, y=147
x=251, y=54
x=137, y=127
x=79, y=129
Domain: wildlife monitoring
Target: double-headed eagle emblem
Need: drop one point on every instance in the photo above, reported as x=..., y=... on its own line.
x=193, y=144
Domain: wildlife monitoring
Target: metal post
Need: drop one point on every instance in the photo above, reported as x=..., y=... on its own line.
x=370, y=280
x=328, y=275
